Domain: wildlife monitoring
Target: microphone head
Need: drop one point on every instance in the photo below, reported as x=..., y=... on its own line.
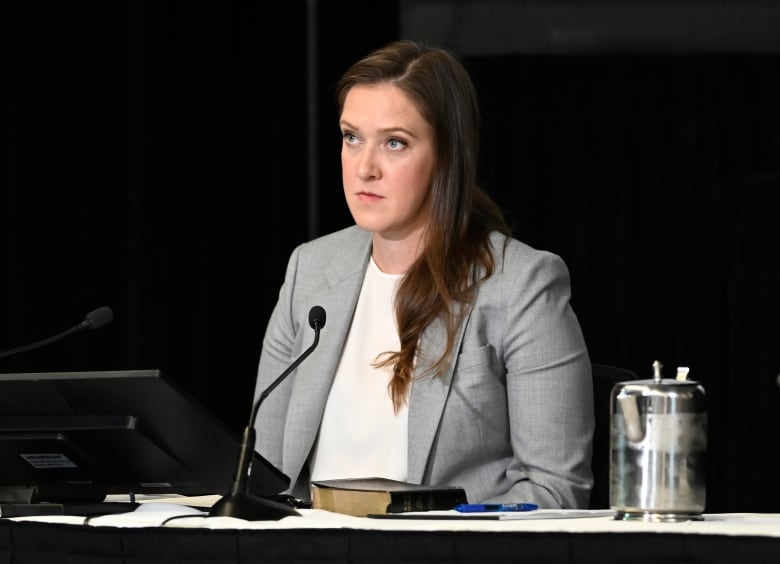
x=317, y=317
x=99, y=317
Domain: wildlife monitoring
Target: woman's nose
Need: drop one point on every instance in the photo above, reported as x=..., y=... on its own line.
x=367, y=166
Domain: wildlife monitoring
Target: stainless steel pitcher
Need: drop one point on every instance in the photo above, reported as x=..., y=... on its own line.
x=658, y=447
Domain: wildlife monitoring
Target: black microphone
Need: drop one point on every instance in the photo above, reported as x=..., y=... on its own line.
x=95, y=319
x=239, y=502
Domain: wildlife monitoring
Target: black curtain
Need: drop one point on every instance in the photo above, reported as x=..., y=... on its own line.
x=155, y=165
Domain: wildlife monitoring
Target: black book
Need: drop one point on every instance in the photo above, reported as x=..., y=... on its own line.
x=372, y=496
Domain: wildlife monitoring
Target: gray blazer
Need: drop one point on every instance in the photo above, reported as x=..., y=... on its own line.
x=510, y=421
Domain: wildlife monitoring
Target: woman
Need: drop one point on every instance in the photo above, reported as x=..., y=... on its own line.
x=451, y=354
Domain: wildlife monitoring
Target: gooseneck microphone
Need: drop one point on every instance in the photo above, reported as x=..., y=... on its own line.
x=239, y=502
x=95, y=319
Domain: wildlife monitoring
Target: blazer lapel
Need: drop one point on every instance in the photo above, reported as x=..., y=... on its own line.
x=338, y=295
x=429, y=395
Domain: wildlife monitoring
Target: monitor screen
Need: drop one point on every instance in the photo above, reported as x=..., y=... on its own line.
x=73, y=435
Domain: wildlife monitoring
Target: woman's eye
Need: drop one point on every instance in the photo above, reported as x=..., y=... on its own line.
x=349, y=137
x=395, y=144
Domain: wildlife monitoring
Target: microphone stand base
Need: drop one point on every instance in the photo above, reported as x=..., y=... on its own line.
x=251, y=508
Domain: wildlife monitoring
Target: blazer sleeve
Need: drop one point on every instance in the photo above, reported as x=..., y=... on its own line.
x=549, y=388
x=280, y=345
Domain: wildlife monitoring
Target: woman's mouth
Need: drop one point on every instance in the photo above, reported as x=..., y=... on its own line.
x=369, y=196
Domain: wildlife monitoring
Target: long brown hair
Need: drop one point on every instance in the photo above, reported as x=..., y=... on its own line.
x=457, y=236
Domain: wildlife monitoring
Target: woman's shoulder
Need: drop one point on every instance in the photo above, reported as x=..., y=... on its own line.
x=345, y=243
x=346, y=236
x=513, y=256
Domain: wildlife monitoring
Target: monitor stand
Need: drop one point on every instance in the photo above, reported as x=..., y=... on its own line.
x=86, y=500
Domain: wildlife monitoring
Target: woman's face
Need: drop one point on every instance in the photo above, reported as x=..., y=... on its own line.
x=387, y=161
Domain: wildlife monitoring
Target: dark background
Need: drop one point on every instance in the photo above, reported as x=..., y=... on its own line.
x=164, y=158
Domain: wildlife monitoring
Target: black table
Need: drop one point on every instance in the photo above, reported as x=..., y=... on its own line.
x=35, y=542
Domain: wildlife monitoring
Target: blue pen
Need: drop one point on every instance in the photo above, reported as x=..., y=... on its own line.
x=486, y=507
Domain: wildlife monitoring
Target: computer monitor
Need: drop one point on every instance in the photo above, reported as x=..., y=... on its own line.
x=78, y=436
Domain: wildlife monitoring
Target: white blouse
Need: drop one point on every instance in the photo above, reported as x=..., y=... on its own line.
x=360, y=435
